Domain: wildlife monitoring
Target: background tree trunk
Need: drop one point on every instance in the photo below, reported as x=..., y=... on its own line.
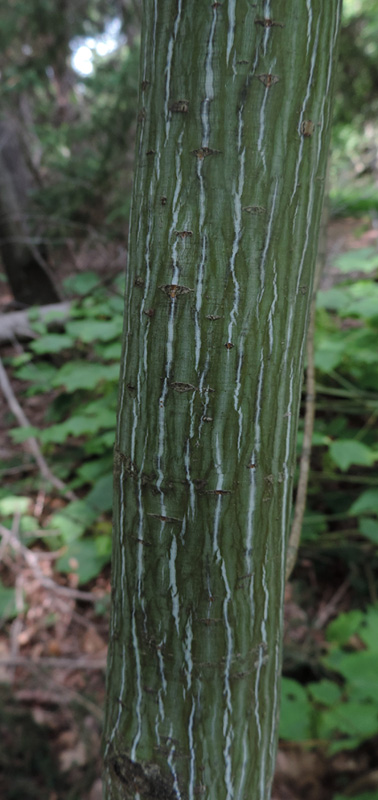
x=24, y=259
x=231, y=157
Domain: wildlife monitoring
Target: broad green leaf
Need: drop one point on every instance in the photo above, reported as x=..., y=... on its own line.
x=101, y=496
x=8, y=608
x=335, y=299
x=22, y=434
x=102, y=443
x=329, y=353
x=364, y=259
x=354, y=719
x=52, y=343
x=91, y=307
x=83, y=283
x=110, y=352
x=365, y=307
x=369, y=628
x=104, y=545
x=83, y=558
x=80, y=425
x=104, y=417
x=91, y=470
x=90, y=330
x=73, y=520
x=54, y=433
x=313, y=526
x=345, y=452
x=104, y=404
x=117, y=302
x=80, y=375
x=364, y=300
x=41, y=375
x=359, y=670
x=325, y=692
x=69, y=529
x=367, y=502
x=14, y=505
x=76, y=426
x=295, y=711
x=369, y=528
x=343, y=627
x=28, y=524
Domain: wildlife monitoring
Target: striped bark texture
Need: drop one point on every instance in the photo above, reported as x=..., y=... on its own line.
x=233, y=135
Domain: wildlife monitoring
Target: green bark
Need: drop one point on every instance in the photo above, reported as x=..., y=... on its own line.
x=231, y=157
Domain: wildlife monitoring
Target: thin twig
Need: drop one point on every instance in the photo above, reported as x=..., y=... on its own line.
x=304, y=468
x=304, y=465
x=330, y=608
x=32, y=561
x=34, y=448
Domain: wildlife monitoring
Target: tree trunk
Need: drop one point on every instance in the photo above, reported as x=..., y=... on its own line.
x=24, y=260
x=231, y=156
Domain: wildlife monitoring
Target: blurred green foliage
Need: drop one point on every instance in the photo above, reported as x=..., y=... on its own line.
x=341, y=710
x=77, y=130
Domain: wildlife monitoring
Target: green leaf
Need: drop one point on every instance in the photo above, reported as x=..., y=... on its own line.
x=325, y=692
x=334, y=299
x=40, y=375
x=89, y=330
x=80, y=375
x=28, y=525
x=366, y=503
x=54, y=433
x=73, y=520
x=14, y=505
x=369, y=528
x=92, y=307
x=359, y=670
x=83, y=283
x=101, y=443
x=22, y=434
x=101, y=496
x=104, y=545
x=110, y=352
x=345, y=452
x=95, y=469
x=369, y=627
x=365, y=307
x=329, y=353
x=106, y=404
x=313, y=525
x=8, y=608
x=359, y=720
x=52, y=343
x=295, y=711
x=116, y=302
x=365, y=259
x=343, y=627
x=83, y=558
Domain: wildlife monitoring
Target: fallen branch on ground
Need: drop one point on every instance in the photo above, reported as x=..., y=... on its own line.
x=16, y=324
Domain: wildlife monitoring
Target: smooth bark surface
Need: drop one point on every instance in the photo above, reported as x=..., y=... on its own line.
x=231, y=158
